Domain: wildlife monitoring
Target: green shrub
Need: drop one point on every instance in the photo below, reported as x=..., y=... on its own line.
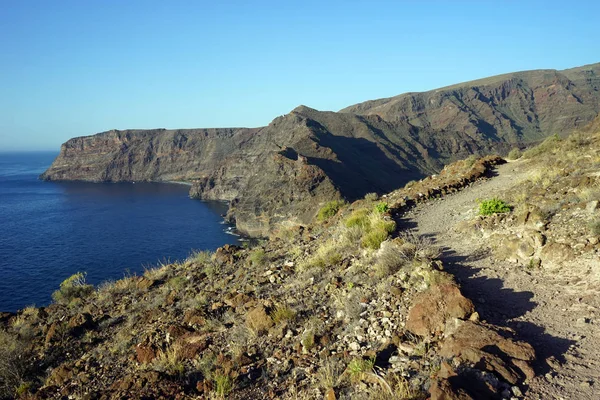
x=493, y=206
x=358, y=218
x=469, y=161
x=258, y=257
x=358, y=367
x=382, y=207
x=74, y=287
x=514, y=154
x=282, y=313
x=329, y=209
x=223, y=384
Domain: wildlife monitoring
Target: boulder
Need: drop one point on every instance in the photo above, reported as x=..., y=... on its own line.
x=435, y=306
x=258, y=320
x=487, y=348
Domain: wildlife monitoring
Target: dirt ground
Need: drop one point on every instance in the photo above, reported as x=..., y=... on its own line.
x=547, y=308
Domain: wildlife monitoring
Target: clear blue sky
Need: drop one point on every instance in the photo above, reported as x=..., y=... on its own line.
x=72, y=68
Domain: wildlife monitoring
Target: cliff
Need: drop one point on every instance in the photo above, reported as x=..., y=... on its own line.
x=375, y=146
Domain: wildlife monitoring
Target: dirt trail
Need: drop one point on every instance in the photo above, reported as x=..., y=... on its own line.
x=539, y=305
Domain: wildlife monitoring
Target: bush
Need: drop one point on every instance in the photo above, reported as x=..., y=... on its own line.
x=258, y=257
x=282, y=313
x=382, y=207
x=514, y=154
x=14, y=364
x=371, y=196
x=358, y=218
x=493, y=206
x=223, y=384
x=74, y=287
x=329, y=209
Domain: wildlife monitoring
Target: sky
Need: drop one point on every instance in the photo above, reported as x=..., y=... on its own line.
x=73, y=68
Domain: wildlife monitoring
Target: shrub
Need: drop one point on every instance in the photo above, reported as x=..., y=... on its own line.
x=371, y=196
x=470, y=161
x=514, y=154
x=358, y=218
x=358, y=367
x=382, y=207
x=74, y=287
x=223, y=384
x=258, y=257
x=282, y=313
x=493, y=206
x=373, y=239
x=329, y=209
x=201, y=257
x=14, y=364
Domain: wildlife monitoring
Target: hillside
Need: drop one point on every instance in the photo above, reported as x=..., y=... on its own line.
x=409, y=295
x=370, y=147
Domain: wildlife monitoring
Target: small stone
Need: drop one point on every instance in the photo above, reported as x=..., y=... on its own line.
x=516, y=391
x=591, y=206
x=354, y=346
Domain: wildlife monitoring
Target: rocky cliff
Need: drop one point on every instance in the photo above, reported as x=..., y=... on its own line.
x=281, y=173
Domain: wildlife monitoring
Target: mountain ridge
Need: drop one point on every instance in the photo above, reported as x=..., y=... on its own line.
x=374, y=146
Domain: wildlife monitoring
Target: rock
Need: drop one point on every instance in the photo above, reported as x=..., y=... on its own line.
x=193, y=345
x=59, y=375
x=51, y=333
x=556, y=253
x=144, y=283
x=194, y=318
x=591, y=206
x=80, y=323
x=145, y=353
x=258, y=320
x=435, y=306
x=330, y=394
x=488, y=349
x=226, y=254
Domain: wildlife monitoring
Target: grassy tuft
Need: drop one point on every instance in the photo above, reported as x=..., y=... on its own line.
x=330, y=209
x=74, y=287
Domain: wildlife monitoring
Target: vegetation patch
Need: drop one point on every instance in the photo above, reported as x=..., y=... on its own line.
x=493, y=206
x=330, y=209
x=72, y=288
x=382, y=207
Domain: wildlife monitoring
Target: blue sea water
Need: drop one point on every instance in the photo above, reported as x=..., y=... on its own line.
x=51, y=230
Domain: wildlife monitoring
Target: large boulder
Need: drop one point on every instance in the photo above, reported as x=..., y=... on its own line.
x=434, y=307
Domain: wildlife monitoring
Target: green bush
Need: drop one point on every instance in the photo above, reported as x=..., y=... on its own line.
x=514, y=154
x=358, y=218
x=329, y=209
x=258, y=257
x=382, y=207
x=493, y=206
x=74, y=287
x=223, y=384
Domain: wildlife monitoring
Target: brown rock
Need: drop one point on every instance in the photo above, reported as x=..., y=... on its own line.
x=485, y=346
x=80, y=323
x=259, y=320
x=144, y=283
x=192, y=345
x=435, y=306
x=145, y=354
x=60, y=375
x=193, y=317
x=330, y=394
x=51, y=333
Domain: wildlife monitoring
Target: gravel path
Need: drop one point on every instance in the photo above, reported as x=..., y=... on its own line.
x=538, y=305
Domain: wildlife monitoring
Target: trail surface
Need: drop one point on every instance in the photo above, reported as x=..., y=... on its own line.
x=539, y=305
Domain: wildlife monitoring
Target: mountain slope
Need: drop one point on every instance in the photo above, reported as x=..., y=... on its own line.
x=375, y=146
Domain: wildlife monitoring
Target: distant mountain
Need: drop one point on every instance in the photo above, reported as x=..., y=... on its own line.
x=278, y=175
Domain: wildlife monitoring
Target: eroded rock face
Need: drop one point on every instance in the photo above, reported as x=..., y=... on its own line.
x=280, y=174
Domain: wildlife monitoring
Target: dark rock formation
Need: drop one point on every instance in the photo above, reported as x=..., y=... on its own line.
x=280, y=174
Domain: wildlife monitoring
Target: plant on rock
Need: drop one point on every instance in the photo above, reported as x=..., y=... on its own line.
x=72, y=288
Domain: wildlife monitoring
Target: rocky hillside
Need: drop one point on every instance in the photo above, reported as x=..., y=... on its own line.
x=371, y=147
x=348, y=307
x=356, y=305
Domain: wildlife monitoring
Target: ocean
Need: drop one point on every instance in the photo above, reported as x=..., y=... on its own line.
x=51, y=230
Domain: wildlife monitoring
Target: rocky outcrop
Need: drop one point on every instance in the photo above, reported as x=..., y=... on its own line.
x=280, y=174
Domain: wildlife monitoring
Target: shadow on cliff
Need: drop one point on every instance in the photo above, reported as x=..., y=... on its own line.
x=363, y=167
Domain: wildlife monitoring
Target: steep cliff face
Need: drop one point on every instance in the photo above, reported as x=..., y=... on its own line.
x=280, y=174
